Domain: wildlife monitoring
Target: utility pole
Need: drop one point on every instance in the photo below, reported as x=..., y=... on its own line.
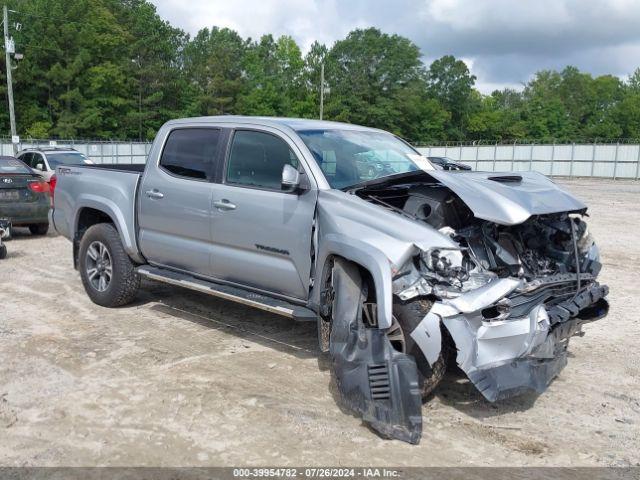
x=138, y=63
x=321, y=90
x=7, y=59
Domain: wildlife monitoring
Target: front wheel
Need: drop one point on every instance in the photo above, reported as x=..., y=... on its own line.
x=3, y=251
x=108, y=274
x=406, y=317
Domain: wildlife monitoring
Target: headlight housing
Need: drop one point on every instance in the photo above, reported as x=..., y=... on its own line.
x=452, y=271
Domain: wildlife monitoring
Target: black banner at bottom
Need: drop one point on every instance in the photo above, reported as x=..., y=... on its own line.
x=307, y=473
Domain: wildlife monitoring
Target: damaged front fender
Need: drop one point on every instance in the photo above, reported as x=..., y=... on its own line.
x=374, y=380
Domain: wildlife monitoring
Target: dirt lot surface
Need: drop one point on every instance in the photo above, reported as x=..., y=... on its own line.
x=180, y=378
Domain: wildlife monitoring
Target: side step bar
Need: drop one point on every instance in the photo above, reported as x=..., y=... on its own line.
x=227, y=292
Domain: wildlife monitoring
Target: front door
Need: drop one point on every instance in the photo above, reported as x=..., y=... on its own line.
x=262, y=235
x=175, y=201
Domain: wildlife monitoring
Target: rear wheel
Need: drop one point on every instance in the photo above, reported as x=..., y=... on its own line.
x=108, y=274
x=39, y=229
x=3, y=251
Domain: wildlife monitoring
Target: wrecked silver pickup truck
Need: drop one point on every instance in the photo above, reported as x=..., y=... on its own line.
x=399, y=264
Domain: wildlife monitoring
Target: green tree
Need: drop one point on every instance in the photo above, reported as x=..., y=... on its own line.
x=214, y=61
x=96, y=68
x=450, y=82
x=607, y=92
x=633, y=84
x=311, y=74
x=544, y=112
x=627, y=111
x=376, y=79
x=154, y=73
x=115, y=69
x=275, y=78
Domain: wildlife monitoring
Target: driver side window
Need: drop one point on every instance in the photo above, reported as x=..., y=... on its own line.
x=257, y=159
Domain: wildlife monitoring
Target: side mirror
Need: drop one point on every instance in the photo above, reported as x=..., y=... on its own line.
x=290, y=179
x=40, y=166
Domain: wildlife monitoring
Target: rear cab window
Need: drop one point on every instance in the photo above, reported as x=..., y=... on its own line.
x=191, y=153
x=13, y=166
x=62, y=158
x=256, y=160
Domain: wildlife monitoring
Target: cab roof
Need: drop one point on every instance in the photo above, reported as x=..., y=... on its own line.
x=49, y=149
x=296, y=124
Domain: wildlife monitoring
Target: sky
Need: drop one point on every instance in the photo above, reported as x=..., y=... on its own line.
x=504, y=42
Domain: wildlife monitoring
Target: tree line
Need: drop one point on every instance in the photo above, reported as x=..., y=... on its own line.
x=113, y=69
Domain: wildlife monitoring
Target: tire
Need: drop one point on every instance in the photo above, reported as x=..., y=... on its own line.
x=8, y=233
x=121, y=285
x=39, y=229
x=3, y=251
x=409, y=315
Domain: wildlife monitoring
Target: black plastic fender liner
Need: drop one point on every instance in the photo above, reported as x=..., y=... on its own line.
x=374, y=380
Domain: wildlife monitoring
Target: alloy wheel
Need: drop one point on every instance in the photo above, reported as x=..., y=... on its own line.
x=98, y=266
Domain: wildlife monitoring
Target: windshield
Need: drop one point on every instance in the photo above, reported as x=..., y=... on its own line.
x=350, y=157
x=12, y=165
x=66, y=158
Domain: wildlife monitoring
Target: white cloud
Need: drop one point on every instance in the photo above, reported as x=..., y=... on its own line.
x=505, y=41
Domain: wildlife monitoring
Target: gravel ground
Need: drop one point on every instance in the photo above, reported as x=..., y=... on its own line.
x=179, y=378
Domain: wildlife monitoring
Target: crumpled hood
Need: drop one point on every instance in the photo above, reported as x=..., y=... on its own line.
x=508, y=198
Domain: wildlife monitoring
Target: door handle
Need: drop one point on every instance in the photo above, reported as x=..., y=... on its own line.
x=224, y=204
x=154, y=194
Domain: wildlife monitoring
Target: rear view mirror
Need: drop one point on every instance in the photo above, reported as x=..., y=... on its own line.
x=290, y=179
x=40, y=167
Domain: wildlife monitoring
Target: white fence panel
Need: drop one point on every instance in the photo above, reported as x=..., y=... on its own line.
x=572, y=160
x=504, y=152
x=98, y=152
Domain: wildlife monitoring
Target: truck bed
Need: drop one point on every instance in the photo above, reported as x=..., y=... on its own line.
x=121, y=167
x=108, y=188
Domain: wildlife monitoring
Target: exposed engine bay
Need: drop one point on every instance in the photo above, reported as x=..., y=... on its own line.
x=542, y=249
x=510, y=295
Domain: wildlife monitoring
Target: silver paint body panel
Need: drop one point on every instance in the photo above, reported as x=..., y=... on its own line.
x=508, y=202
x=184, y=230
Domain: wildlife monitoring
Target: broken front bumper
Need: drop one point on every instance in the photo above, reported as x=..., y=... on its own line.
x=508, y=355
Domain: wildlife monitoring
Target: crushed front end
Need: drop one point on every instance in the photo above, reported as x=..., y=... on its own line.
x=511, y=296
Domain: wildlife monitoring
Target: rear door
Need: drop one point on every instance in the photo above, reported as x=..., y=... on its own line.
x=175, y=200
x=262, y=235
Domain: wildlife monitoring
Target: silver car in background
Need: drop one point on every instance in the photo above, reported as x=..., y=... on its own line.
x=45, y=160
